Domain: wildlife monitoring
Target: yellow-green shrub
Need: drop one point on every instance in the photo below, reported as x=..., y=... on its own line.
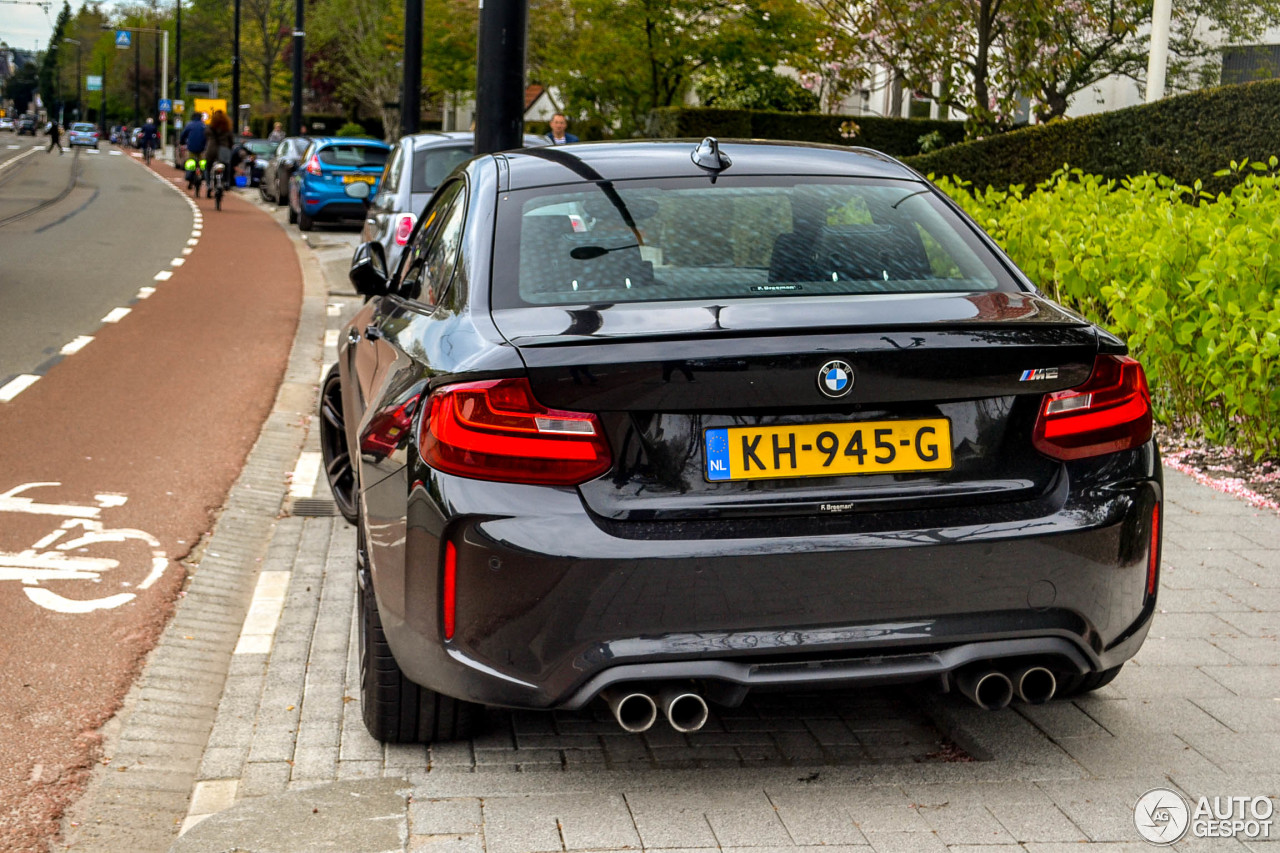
x=1192, y=281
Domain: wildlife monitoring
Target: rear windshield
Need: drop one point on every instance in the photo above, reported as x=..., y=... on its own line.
x=82, y=127
x=741, y=237
x=353, y=155
x=432, y=165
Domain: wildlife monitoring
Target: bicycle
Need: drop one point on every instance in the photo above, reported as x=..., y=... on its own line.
x=147, y=153
x=50, y=559
x=217, y=182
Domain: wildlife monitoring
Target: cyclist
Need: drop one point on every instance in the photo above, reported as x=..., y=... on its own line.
x=150, y=139
x=194, y=137
x=222, y=143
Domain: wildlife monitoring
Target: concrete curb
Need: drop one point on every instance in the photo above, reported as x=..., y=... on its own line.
x=157, y=740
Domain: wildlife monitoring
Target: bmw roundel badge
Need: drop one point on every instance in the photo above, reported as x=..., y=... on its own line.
x=835, y=379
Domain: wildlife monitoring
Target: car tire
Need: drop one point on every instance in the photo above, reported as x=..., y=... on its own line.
x=1075, y=685
x=395, y=709
x=334, y=449
x=262, y=193
x=282, y=194
x=305, y=221
x=293, y=216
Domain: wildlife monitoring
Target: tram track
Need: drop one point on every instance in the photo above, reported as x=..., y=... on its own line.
x=72, y=179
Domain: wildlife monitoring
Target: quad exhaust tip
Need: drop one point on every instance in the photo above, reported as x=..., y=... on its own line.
x=1034, y=685
x=635, y=711
x=986, y=688
x=686, y=711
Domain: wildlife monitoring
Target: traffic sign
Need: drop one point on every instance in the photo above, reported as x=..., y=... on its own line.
x=166, y=105
x=93, y=83
x=164, y=115
x=124, y=39
x=179, y=107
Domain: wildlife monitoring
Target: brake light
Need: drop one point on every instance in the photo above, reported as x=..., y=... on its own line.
x=313, y=165
x=496, y=430
x=404, y=228
x=1110, y=412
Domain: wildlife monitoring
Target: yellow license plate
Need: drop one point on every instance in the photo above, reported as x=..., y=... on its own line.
x=365, y=179
x=827, y=450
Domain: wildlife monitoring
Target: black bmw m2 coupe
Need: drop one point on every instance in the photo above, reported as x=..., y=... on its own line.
x=661, y=423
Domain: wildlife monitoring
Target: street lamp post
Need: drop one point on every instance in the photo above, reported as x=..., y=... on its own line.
x=295, y=112
x=411, y=96
x=235, y=73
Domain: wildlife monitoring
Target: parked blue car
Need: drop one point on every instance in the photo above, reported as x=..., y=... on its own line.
x=336, y=176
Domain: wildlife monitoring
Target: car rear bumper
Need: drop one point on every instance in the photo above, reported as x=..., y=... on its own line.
x=551, y=608
x=322, y=208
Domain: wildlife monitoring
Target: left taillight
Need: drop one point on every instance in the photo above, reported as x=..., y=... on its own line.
x=1110, y=412
x=404, y=227
x=313, y=165
x=496, y=430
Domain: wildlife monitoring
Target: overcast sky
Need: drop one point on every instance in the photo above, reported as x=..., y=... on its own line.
x=21, y=26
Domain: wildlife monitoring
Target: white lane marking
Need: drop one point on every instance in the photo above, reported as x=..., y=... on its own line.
x=76, y=345
x=9, y=163
x=10, y=502
x=16, y=386
x=163, y=275
x=188, y=250
x=93, y=150
x=334, y=310
x=305, y=473
x=331, y=337
x=144, y=292
x=116, y=315
x=116, y=153
x=177, y=262
x=136, y=154
x=12, y=147
x=192, y=241
x=264, y=614
x=196, y=233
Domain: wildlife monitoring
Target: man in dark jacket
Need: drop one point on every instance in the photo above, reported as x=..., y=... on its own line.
x=193, y=136
x=55, y=137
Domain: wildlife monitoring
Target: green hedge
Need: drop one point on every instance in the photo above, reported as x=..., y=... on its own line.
x=898, y=137
x=1187, y=137
x=317, y=124
x=1190, y=281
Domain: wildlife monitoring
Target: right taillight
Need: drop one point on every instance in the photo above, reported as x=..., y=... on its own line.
x=497, y=430
x=404, y=227
x=1110, y=412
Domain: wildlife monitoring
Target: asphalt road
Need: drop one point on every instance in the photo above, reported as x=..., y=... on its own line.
x=116, y=452
x=66, y=266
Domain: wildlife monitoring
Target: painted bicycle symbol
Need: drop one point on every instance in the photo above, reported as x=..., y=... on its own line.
x=79, y=551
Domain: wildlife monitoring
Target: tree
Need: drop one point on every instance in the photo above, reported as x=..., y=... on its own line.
x=21, y=87
x=49, y=90
x=615, y=60
x=986, y=54
x=358, y=45
x=759, y=89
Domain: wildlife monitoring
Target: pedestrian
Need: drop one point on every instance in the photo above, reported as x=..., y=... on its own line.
x=277, y=133
x=55, y=138
x=246, y=132
x=557, y=133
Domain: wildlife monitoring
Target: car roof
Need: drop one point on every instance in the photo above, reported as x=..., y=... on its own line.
x=343, y=140
x=673, y=158
x=431, y=138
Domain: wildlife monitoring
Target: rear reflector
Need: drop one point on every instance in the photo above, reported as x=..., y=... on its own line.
x=496, y=430
x=404, y=227
x=449, y=594
x=1110, y=412
x=1153, y=556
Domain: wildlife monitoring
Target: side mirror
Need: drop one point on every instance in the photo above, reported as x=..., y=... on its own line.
x=368, y=272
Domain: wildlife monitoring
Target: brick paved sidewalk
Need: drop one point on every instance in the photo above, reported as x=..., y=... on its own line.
x=1196, y=711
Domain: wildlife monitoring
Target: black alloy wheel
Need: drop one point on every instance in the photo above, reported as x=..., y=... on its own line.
x=333, y=447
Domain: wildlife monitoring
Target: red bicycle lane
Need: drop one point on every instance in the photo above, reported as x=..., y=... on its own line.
x=143, y=431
